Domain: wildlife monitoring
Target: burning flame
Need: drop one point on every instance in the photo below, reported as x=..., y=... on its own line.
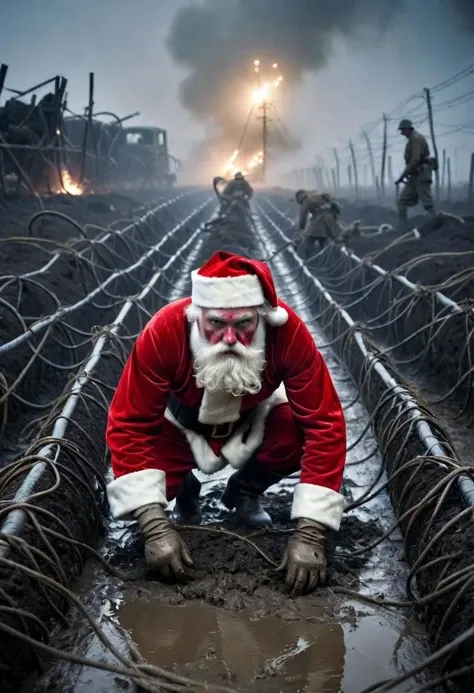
x=232, y=166
x=68, y=185
x=256, y=160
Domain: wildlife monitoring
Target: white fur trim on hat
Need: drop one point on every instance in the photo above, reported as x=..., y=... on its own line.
x=226, y=292
x=318, y=503
x=132, y=491
x=276, y=317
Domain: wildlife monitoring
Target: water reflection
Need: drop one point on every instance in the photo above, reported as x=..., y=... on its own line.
x=202, y=640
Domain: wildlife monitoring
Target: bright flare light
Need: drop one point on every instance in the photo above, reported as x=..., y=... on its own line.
x=260, y=95
x=230, y=167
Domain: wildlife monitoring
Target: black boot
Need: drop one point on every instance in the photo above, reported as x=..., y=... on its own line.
x=187, y=510
x=243, y=493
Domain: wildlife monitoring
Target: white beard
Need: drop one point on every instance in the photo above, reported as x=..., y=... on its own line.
x=226, y=374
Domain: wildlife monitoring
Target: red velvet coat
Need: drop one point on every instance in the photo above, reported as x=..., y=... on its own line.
x=161, y=362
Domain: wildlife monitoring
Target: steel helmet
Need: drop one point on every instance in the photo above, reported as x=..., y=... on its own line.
x=238, y=175
x=405, y=124
x=300, y=194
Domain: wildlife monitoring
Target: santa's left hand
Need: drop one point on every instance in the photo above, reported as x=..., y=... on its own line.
x=305, y=558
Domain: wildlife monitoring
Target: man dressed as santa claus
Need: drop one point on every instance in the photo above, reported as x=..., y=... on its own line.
x=228, y=376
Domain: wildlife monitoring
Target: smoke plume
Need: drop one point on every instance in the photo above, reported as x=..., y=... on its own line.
x=465, y=11
x=218, y=40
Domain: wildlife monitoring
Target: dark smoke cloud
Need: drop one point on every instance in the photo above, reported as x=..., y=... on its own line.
x=465, y=11
x=217, y=40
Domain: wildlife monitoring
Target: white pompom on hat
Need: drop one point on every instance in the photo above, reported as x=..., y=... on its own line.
x=233, y=281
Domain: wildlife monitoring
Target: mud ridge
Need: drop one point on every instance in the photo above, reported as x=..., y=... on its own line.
x=413, y=474
x=74, y=509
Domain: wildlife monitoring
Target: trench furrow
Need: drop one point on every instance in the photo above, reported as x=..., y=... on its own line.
x=432, y=493
x=427, y=333
x=52, y=520
x=37, y=363
x=55, y=489
x=364, y=465
x=103, y=236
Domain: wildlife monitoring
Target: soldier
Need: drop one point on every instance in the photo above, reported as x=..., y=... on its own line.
x=323, y=223
x=238, y=188
x=417, y=176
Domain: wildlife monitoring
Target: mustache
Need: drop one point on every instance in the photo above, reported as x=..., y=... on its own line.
x=224, y=349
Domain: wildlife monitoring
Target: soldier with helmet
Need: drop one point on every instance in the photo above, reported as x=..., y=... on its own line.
x=239, y=187
x=417, y=175
x=323, y=224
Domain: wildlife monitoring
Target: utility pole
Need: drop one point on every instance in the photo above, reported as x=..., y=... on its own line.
x=265, y=105
x=433, y=137
x=265, y=121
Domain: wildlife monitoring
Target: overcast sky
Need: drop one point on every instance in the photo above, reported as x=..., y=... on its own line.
x=123, y=42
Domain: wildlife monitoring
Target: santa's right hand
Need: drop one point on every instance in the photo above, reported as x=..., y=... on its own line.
x=169, y=556
x=165, y=551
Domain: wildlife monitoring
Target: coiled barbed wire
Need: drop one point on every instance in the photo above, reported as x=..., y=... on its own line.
x=413, y=325
x=94, y=400
x=387, y=425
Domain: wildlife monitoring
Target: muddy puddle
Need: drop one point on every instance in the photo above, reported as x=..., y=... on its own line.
x=234, y=625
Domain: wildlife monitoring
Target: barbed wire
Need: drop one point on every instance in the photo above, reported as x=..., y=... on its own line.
x=422, y=496
x=46, y=148
x=58, y=522
x=414, y=107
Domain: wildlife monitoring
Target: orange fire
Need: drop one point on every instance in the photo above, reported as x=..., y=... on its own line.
x=68, y=185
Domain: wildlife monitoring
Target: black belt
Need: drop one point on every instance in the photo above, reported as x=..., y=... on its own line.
x=188, y=418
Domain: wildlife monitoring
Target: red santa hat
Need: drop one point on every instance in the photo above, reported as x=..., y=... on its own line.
x=233, y=281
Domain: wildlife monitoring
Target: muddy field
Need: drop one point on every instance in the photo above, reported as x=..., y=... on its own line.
x=452, y=243
x=233, y=624
x=445, y=249
x=228, y=568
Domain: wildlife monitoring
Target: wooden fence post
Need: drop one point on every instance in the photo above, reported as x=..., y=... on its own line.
x=354, y=164
x=433, y=138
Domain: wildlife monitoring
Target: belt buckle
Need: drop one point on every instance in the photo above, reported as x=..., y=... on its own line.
x=215, y=430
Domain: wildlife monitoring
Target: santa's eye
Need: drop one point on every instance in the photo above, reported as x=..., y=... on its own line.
x=216, y=322
x=243, y=323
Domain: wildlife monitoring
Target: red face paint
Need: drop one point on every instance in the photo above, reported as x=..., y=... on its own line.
x=229, y=325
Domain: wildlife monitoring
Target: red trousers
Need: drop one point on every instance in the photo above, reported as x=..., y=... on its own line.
x=280, y=452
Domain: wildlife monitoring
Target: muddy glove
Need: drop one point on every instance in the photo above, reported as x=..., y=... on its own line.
x=165, y=551
x=305, y=558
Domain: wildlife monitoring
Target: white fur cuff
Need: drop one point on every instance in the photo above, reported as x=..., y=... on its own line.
x=131, y=491
x=319, y=504
x=226, y=292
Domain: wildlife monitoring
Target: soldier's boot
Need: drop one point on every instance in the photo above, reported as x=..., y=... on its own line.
x=187, y=510
x=243, y=492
